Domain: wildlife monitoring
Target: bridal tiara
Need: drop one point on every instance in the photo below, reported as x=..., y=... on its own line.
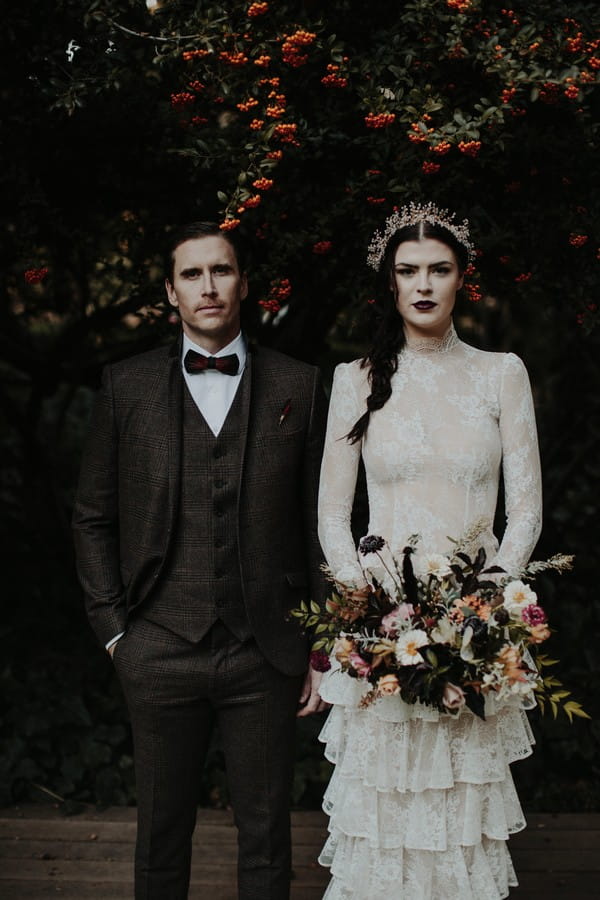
x=412, y=215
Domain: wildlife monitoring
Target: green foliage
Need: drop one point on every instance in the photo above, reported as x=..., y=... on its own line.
x=103, y=152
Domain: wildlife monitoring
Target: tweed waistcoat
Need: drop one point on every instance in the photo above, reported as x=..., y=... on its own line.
x=201, y=583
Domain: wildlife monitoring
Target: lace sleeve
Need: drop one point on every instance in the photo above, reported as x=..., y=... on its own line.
x=338, y=478
x=521, y=467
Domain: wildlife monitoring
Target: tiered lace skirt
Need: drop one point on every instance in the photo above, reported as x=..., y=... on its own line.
x=421, y=804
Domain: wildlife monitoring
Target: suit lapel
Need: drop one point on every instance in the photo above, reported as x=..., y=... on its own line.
x=175, y=385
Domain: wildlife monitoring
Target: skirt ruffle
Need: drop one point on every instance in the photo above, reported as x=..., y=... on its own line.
x=420, y=803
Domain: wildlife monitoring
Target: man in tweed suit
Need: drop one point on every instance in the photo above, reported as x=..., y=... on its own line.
x=195, y=534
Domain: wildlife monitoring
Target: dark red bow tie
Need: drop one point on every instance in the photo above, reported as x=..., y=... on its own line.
x=196, y=362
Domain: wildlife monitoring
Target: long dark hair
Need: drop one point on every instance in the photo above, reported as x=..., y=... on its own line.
x=388, y=330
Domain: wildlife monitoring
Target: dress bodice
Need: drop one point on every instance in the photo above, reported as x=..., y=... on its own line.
x=456, y=418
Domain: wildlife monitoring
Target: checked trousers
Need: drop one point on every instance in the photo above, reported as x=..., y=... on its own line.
x=177, y=692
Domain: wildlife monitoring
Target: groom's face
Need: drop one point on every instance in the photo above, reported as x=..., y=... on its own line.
x=207, y=290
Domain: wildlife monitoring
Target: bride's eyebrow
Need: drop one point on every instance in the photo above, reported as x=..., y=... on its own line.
x=407, y=265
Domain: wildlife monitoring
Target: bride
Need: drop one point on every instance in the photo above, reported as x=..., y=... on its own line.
x=421, y=803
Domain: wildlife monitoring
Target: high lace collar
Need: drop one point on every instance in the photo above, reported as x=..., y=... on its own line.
x=433, y=344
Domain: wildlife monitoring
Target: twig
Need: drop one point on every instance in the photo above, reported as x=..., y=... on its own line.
x=153, y=37
x=46, y=790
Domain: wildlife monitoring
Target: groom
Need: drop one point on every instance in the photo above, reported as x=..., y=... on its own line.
x=195, y=534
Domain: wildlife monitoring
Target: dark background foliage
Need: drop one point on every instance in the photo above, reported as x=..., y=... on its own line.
x=109, y=140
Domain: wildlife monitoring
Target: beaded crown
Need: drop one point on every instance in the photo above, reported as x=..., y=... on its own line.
x=412, y=215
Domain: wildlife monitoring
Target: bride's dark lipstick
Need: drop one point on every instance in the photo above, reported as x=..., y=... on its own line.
x=424, y=304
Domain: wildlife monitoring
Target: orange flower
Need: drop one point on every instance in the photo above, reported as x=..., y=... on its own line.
x=512, y=664
x=342, y=649
x=539, y=633
x=388, y=684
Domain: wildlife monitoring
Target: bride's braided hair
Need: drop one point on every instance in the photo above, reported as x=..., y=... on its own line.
x=387, y=331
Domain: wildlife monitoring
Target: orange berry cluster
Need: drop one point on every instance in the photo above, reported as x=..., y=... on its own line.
x=577, y=240
x=375, y=201
x=507, y=94
x=247, y=105
x=257, y=9
x=229, y=224
x=379, y=120
x=291, y=48
x=322, y=247
x=263, y=184
x=417, y=135
x=279, y=292
x=35, y=276
x=442, y=148
x=182, y=99
x=286, y=133
x=523, y=277
x=277, y=109
x=575, y=44
x=571, y=92
x=459, y=5
x=275, y=154
x=430, y=168
x=251, y=203
x=470, y=148
x=549, y=93
x=199, y=120
x=262, y=61
x=256, y=124
x=233, y=58
x=473, y=292
x=512, y=16
x=195, y=54
x=273, y=82
x=333, y=78
x=196, y=86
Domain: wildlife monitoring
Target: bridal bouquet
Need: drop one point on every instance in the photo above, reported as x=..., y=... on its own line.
x=443, y=633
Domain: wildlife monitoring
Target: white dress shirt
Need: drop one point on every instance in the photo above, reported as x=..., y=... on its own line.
x=211, y=390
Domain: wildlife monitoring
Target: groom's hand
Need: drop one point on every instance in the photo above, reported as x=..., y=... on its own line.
x=310, y=701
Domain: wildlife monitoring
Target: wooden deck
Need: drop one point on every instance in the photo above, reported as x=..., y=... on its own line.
x=45, y=854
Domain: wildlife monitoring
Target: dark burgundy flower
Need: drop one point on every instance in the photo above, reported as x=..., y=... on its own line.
x=319, y=661
x=372, y=543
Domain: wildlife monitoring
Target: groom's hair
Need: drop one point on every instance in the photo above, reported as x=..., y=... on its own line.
x=194, y=230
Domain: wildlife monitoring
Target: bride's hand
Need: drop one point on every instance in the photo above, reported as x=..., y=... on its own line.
x=310, y=701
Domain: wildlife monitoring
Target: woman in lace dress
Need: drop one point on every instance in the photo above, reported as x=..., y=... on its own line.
x=421, y=803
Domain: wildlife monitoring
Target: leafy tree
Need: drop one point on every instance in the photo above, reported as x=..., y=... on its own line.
x=303, y=125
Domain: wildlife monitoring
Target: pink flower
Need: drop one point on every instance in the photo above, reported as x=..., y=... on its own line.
x=453, y=696
x=400, y=613
x=533, y=615
x=359, y=665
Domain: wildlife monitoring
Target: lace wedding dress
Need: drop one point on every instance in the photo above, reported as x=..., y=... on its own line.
x=421, y=803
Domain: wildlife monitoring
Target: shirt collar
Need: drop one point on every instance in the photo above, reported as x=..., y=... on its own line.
x=237, y=345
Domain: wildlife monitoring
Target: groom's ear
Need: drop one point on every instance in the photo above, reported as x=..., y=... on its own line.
x=171, y=295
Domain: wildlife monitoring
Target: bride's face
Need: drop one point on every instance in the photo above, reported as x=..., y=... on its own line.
x=425, y=279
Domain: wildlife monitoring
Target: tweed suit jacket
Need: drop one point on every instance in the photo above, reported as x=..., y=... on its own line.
x=129, y=488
